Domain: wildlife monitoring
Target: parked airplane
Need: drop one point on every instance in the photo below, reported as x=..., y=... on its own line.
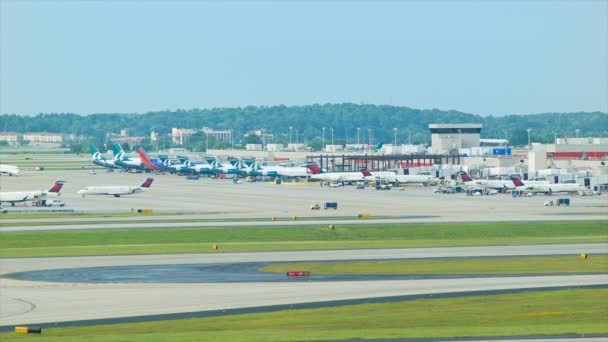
x=391, y=177
x=11, y=170
x=217, y=167
x=319, y=175
x=22, y=196
x=184, y=165
x=277, y=170
x=495, y=184
x=116, y=190
x=152, y=164
x=548, y=189
x=98, y=159
x=124, y=161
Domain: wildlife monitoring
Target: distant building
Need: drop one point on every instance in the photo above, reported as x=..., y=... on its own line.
x=219, y=135
x=265, y=136
x=44, y=137
x=179, y=135
x=449, y=138
x=274, y=147
x=11, y=137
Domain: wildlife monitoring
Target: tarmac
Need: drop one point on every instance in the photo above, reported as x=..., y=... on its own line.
x=222, y=199
x=35, y=300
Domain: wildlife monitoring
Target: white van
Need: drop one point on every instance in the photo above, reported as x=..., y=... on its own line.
x=54, y=203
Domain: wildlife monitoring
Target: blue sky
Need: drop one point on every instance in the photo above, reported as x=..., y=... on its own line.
x=494, y=57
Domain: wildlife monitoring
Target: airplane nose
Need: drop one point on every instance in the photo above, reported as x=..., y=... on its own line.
x=80, y=192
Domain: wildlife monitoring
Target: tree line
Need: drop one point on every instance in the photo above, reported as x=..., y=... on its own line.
x=347, y=123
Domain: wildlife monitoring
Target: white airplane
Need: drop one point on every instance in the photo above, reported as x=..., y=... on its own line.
x=496, y=184
x=11, y=170
x=277, y=170
x=548, y=188
x=319, y=175
x=391, y=177
x=116, y=190
x=22, y=196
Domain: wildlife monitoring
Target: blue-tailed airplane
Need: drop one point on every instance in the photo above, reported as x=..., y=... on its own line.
x=219, y=168
x=124, y=161
x=98, y=159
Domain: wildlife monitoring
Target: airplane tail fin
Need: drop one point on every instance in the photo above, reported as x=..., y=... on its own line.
x=517, y=182
x=95, y=155
x=145, y=159
x=212, y=161
x=234, y=162
x=465, y=177
x=147, y=183
x=314, y=168
x=366, y=172
x=57, y=186
x=378, y=147
x=119, y=153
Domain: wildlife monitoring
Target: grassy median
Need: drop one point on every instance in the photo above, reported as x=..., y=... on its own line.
x=580, y=311
x=468, y=266
x=242, y=239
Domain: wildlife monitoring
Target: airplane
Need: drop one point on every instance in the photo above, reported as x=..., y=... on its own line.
x=317, y=174
x=116, y=190
x=216, y=167
x=152, y=164
x=547, y=188
x=98, y=159
x=11, y=170
x=278, y=170
x=122, y=160
x=184, y=165
x=495, y=184
x=391, y=177
x=22, y=196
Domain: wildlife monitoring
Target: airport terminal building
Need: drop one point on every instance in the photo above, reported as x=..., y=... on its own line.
x=448, y=138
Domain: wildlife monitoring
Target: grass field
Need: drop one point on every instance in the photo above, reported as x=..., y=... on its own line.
x=241, y=239
x=468, y=266
x=580, y=311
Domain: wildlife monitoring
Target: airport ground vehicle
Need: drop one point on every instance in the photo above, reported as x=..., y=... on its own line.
x=330, y=205
x=383, y=187
x=52, y=203
x=563, y=201
x=445, y=190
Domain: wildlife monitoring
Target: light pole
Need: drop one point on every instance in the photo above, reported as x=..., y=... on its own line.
x=555, y=137
x=506, y=139
x=358, y=131
x=577, y=131
x=529, y=130
x=409, y=137
x=395, y=136
x=297, y=138
x=290, y=128
x=206, y=141
x=323, y=144
x=332, y=135
x=369, y=132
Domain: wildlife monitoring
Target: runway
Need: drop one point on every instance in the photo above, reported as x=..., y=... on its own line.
x=30, y=302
